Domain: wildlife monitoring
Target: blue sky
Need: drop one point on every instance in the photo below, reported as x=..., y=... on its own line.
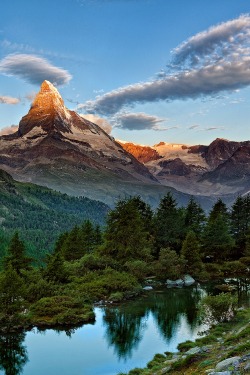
x=155, y=70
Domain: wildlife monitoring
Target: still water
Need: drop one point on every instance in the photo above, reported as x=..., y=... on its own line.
x=123, y=337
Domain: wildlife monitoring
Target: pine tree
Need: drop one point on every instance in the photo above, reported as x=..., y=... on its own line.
x=195, y=217
x=71, y=248
x=219, y=209
x=240, y=222
x=169, y=224
x=55, y=270
x=16, y=255
x=191, y=252
x=11, y=293
x=125, y=236
x=217, y=241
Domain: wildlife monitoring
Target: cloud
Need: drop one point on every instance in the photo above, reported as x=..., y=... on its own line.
x=185, y=85
x=33, y=69
x=193, y=127
x=220, y=41
x=9, y=100
x=214, y=61
x=8, y=130
x=104, y=124
x=214, y=128
x=137, y=121
x=26, y=48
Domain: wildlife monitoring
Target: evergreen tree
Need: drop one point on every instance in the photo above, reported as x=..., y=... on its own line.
x=240, y=222
x=195, y=217
x=71, y=248
x=191, y=252
x=169, y=224
x=87, y=238
x=219, y=209
x=60, y=242
x=16, y=255
x=11, y=293
x=125, y=236
x=55, y=270
x=247, y=245
x=217, y=241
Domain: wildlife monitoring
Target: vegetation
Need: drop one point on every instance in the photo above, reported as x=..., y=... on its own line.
x=89, y=263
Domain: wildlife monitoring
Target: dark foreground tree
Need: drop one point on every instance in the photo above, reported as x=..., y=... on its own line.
x=16, y=255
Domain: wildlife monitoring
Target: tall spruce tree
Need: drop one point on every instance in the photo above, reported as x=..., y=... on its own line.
x=195, y=217
x=169, y=224
x=217, y=241
x=125, y=236
x=16, y=255
x=190, y=251
x=240, y=223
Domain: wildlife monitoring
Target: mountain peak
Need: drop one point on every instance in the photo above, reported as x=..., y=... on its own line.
x=47, y=86
x=47, y=112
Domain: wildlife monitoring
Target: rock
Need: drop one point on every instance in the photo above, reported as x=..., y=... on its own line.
x=170, y=283
x=147, y=288
x=227, y=362
x=171, y=361
x=179, y=282
x=247, y=366
x=165, y=370
x=194, y=350
x=188, y=280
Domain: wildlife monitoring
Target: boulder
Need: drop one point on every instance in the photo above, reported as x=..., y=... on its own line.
x=188, y=280
x=148, y=287
x=223, y=365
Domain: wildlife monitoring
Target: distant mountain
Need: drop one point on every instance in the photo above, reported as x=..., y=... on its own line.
x=40, y=214
x=219, y=169
x=57, y=148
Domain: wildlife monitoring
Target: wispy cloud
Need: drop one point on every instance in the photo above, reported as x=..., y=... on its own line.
x=26, y=48
x=8, y=130
x=193, y=127
x=214, y=61
x=33, y=69
x=138, y=121
x=212, y=128
x=228, y=40
x=9, y=100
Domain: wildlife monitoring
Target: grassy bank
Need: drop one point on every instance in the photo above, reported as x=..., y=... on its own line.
x=204, y=356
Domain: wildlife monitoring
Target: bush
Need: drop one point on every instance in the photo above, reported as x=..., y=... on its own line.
x=220, y=308
x=184, y=346
x=137, y=268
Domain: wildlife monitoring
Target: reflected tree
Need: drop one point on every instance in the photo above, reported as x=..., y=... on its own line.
x=123, y=330
x=13, y=354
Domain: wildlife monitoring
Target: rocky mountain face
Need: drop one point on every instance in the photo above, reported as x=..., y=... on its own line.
x=221, y=168
x=143, y=154
x=57, y=148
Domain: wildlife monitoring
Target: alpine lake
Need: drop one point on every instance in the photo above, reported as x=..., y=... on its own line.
x=123, y=336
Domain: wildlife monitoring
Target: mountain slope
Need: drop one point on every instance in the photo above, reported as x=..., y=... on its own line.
x=57, y=148
x=40, y=214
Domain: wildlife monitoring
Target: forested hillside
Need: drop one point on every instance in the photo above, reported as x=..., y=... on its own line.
x=40, y=214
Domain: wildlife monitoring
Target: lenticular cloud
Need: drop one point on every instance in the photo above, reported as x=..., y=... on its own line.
x=33, y=69
x=208, y=63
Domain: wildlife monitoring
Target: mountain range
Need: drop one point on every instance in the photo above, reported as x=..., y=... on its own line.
x=57, y=148
x=219, y=169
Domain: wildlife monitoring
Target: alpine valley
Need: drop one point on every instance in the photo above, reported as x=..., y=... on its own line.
x=57, y=148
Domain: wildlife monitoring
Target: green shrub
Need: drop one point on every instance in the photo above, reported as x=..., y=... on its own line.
x=184, y=346
x=220, y=308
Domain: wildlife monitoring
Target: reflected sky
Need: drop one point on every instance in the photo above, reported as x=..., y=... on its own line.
x=153, y=324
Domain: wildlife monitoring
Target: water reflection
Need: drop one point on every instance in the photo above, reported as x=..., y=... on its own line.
x=124, y=324
x=13, y=354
